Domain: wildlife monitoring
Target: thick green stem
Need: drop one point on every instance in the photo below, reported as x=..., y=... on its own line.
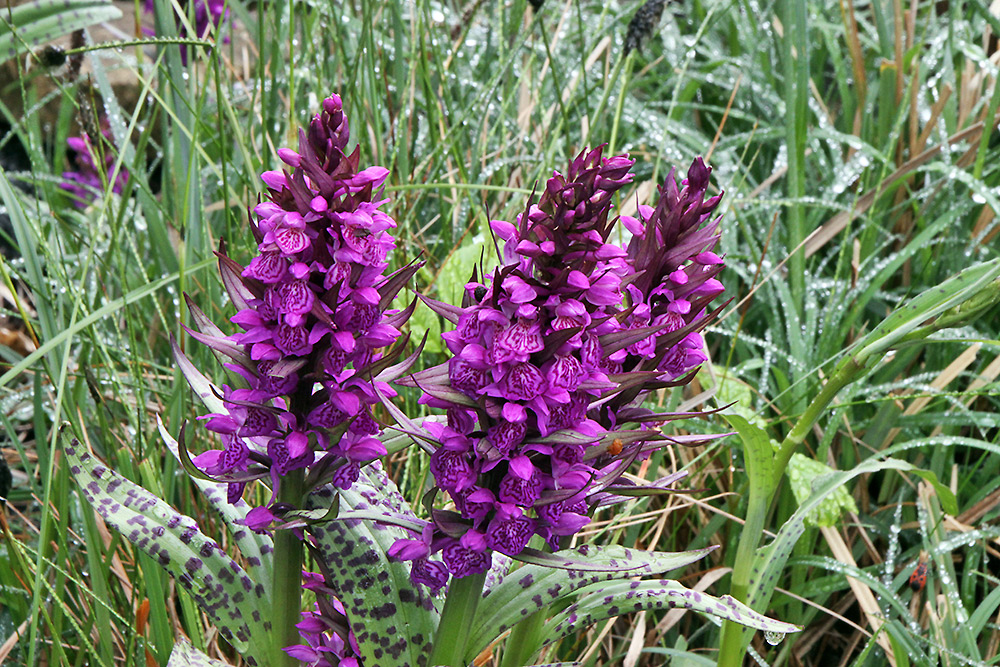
x=523, y=640
x=287, y=601
x=731, y=646
x=845, y=374
x=451, y=641
x=733, y=635
x=794, y=16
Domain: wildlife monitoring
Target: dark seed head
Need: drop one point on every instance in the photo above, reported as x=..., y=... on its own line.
x=643, y=24
x=52, y=56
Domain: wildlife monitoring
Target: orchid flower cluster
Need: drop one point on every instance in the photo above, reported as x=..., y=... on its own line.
x=88, y=177
x=551, y=357
x=313, y=308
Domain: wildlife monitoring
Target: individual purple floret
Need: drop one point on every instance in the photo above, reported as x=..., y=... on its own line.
x=313, y=308
x=552, y=355
x=88, y=180
x=328, y=640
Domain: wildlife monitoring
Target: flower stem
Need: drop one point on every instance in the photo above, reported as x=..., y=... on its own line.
x=452, y=637
x=287, y=600
x=846, y=373
x=523, y=640
x=732, y=643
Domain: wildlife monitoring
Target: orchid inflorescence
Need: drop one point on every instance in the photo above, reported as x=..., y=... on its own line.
x=313, y=305
x=552, y=356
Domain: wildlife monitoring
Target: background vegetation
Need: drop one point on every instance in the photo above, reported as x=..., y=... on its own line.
x=856, y=144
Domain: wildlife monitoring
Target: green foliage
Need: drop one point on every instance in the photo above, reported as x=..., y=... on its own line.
x=803, y=472
x=880, y=156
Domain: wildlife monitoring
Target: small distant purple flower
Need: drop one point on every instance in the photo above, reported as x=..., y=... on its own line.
x=208, y=15
x=93, y=169
x=312, y=309
x=553, y=353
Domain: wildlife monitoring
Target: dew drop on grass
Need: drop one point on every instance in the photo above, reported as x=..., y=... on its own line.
x=773, y=638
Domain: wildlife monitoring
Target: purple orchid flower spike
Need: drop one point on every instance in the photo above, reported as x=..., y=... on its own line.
x=313, y=311
x=551, y=356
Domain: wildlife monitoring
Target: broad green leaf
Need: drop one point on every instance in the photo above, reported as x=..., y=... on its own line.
x=758, y=455
x=967, y=285
x=603, y=601
x=533, y=587
x=34, y=23
x=802, y=472
x=225, y=592
x=186, y=655
x=389, y=614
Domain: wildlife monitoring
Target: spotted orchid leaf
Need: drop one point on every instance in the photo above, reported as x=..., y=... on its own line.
x=534, y=587
x=255, y=548
x=223, y=590
x=186, y=655
x=602, y=601
x=612, y=558
x=393, y=619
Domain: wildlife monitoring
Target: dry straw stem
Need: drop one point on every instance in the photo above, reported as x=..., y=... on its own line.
x=865, y=597
x=838, y=222
x=635, y=646
x=988, y=376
